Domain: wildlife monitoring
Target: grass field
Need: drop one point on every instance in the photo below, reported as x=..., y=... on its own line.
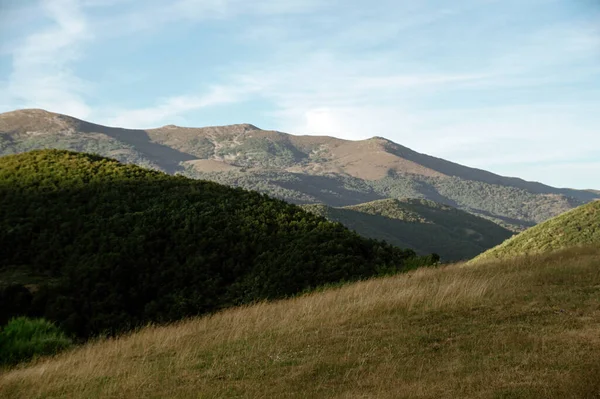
x=578, y=227
x=524, y=328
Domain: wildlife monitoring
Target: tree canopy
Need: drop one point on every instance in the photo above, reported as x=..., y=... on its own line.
x=101, y=247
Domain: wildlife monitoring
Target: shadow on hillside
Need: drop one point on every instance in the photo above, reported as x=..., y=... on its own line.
x=329, y=190
x=506, y=219
x=165, y=157
x=450, y=243
x=431, y=193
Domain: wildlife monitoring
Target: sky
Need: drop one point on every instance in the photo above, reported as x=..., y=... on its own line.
x=509, y=86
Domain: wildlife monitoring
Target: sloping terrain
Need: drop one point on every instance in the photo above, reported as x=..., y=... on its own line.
x=102, y=247
x=422, y=225
x=299, y=169
x=580, y=226
x=515, y=329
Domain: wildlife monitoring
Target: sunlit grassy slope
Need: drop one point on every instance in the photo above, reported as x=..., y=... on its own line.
x=580, y=226
x=527, y=328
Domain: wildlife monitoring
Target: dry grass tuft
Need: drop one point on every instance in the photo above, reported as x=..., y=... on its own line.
x=526, y=328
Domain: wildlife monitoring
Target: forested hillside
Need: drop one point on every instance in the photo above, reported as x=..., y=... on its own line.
x=422, y=225
x=99, y=246
x=513, y=208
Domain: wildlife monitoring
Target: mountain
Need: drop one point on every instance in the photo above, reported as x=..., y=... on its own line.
x=422, y=225
x=578, y=227
x=299, y=169
x=513, y=329
x=102, y=247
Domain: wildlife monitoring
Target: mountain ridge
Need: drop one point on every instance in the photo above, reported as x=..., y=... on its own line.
x=298, y=169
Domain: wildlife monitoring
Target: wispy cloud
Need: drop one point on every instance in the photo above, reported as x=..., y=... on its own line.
x=230, y=8
x=41, y=76
x=156, y=14
x=515, y=81
x=169, y=108
x=582, y=175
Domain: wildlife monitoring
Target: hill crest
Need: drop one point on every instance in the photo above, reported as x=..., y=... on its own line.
x=577, y=227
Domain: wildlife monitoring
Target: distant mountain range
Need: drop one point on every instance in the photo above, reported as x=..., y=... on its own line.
x=299, y=169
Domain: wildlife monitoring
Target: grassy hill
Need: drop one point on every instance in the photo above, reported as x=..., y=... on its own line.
x=100, y=246
x=516, y=329
x=422, y=225
x=299, y=169
x=580, y=226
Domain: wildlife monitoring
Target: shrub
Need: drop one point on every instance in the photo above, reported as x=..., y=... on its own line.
x=23, y=339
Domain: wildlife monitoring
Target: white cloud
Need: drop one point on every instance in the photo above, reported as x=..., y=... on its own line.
x=325, y=94
x=172, y=107
x=41, y=76
x=201, y=9
x=580, y=175
x=348, y=122
x=156, y=14
x=320, y=81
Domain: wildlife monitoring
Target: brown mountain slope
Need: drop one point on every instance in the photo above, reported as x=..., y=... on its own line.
x=301, y=169
x=365, y=159
x=34, y=125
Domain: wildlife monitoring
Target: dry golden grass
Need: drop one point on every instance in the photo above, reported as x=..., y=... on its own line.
x=527, y=328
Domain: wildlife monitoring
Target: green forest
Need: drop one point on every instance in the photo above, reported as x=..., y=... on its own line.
x=101, y=247
x=419, y=224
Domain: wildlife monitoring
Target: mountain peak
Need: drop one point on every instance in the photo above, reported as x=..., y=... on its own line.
x=239, y=127
x=28, y=112
x=36, y=121
x=247, y=126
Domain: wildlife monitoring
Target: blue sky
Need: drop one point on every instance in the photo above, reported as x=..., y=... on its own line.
x=509, y=86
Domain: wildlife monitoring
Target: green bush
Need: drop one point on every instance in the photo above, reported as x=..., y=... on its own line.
x=23, y=339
